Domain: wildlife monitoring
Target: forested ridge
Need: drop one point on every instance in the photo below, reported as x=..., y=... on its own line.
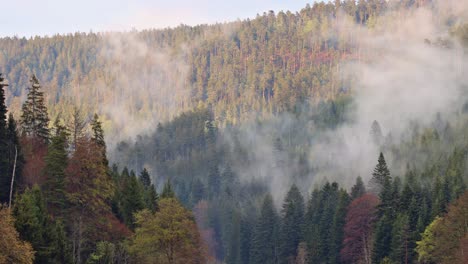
x=244, y=142
x=266, y=65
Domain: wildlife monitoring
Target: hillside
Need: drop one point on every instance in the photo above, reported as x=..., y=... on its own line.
x=266, y=65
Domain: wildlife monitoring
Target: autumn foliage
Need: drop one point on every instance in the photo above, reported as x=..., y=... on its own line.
x=12, y=249
x=358, y=230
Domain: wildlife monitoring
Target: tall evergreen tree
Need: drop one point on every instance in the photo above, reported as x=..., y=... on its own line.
x=34, y=119
x=379, y=176
x=133, y=200
x=376, y=133
x=98, y=138
x=264, y=247
x=291, y=224
x=358, y=189
x=56, y=164
x=167, y=191
x=145, y=178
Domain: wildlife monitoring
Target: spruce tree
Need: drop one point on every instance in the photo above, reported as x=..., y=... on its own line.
x=56, y=164
x=291, y=224
x=379, y=176
x=133, y=200
x=167, y=191
x=34, y=119
x=5, y=173
x=264, y=242
x=376, y=133
x=145, y=178
x=358, y=189
x=98, y=138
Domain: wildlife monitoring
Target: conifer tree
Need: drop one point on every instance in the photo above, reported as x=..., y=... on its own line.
x=264, y=247
x=56, y=164
x=291, y=224
x=358, y=189
x=34, y=119
x=379, y=176
x=34, y=225
x=133, y=200
x=98, y=138
x=145, y=178
x=167, y=191
x=376, y=133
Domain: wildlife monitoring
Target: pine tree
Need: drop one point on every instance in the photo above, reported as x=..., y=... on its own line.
x=339, y=221
x=132, y=199
x=152, y=199
x=379, y=176
x=264, y=247
x=34, y=119
x=56, y=164
x=358, y=189
x=291, y=224
x=34, y=225
x=145, y=178
x=376, y=133
x=98, y=138
x=5, y=173
x=167, y=191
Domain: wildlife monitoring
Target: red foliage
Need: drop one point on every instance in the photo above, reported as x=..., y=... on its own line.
x=34, y=153
x=358, y=230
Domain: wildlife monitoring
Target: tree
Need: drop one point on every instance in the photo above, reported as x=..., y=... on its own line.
x=379, y=176
x=98, y=138
x=291, y=224
x=167, y=236
x=77, y=125
x=132, y=199
x=12, y=248
x=357, y=242
x=358, y=189
x=5, y=173
x=89, y=190
x=145, y=178
x=264, y=247
x=376, y=133
x=445, y=240
x=47, y=237
x=34, y=119
x=167, y=191
x=56, y=164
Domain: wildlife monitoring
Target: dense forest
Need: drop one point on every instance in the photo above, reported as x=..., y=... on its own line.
x=336, y=134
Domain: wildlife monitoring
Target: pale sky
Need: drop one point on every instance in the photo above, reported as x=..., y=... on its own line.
x=48, y=17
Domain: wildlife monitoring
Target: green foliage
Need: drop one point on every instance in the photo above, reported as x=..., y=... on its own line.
x=56, y=163
x=380, y=175
x=264, y=247
x=34, y=117
x=291, y=224
x=167, y=191
x=167, y=236
x=34, y=225
x=5, y=173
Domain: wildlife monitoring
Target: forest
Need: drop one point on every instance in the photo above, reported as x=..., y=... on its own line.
x=336, y=134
